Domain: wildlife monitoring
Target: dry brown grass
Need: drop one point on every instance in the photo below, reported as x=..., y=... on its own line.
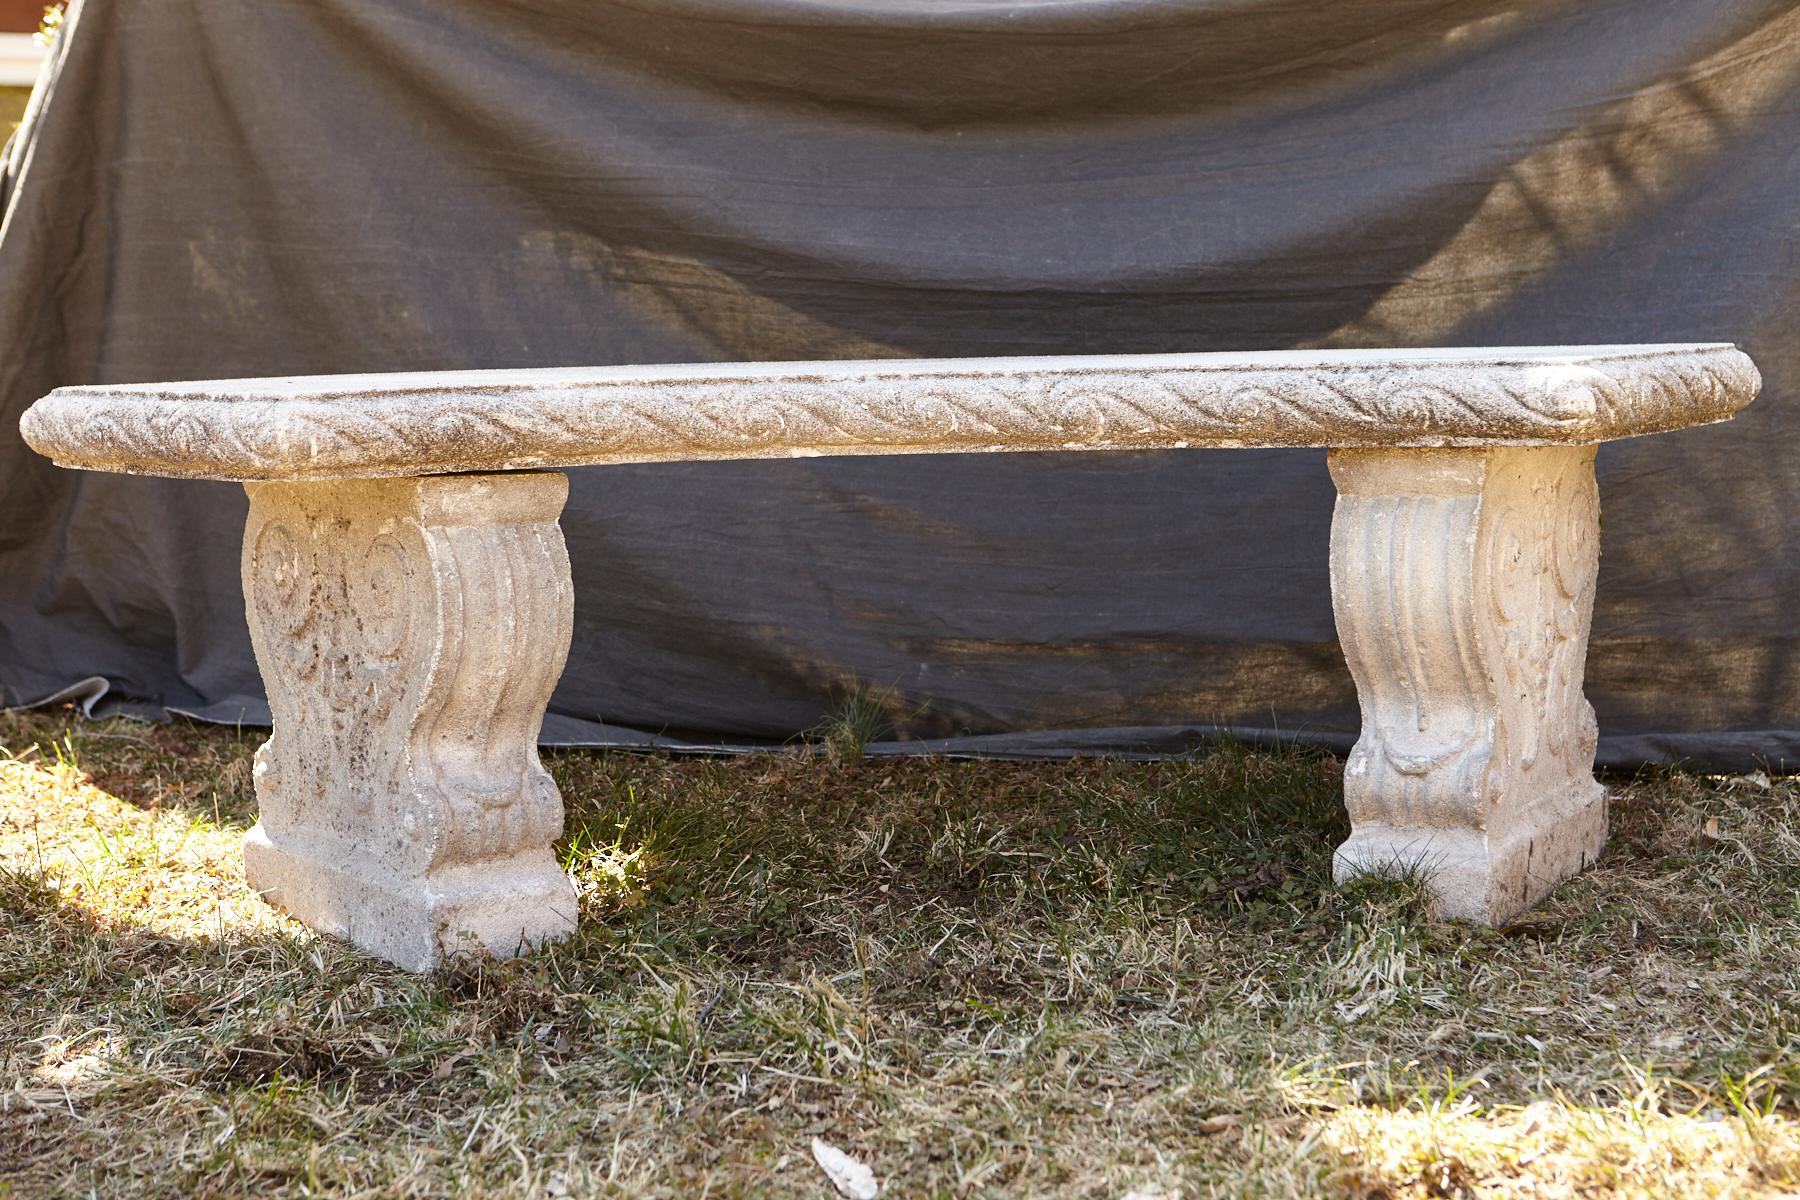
x=981, y=978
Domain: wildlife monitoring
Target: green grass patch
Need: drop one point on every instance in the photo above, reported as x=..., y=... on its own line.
x=1071, y=980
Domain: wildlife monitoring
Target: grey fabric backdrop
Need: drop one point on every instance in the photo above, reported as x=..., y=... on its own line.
x=250, y=187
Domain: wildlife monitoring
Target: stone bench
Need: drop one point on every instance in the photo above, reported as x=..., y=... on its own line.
x=410, y=601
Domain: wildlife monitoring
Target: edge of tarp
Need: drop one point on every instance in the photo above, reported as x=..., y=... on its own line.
x=1718, y=751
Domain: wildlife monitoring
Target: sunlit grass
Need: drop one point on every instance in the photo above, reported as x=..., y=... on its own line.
x=1652, y=1144
x=981, y=978
x=176, y=871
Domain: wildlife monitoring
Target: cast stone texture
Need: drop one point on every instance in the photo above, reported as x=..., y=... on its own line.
x=409, y=634
x=411, y=621
x=372, y=426
x=1463, y=584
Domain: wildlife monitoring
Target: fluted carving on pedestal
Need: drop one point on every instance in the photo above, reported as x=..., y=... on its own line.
x=409, y=634
x=1463, y=583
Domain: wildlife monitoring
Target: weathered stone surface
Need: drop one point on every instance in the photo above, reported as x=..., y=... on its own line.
x=375, y=426
x=1463, y=583
x=409, y=634
x=410, y=629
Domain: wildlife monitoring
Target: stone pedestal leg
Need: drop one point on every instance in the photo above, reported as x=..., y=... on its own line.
x=409, y=633
x=1463, y=583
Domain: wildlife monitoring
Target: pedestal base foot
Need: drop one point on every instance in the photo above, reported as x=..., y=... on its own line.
x=501, y=907
x=1482, y=875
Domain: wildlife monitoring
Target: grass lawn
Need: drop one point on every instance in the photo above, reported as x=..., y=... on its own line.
x=1090, y=979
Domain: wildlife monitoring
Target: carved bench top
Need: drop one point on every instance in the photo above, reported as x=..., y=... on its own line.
x=372, y=426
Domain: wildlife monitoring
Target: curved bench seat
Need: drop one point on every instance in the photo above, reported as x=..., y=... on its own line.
x=387, y=426
x=410, y=604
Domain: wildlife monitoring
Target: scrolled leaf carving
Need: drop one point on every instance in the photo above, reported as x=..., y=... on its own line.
x=1463, y=583
x=1463, y=604
x=408, y=659
x=329, y=427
